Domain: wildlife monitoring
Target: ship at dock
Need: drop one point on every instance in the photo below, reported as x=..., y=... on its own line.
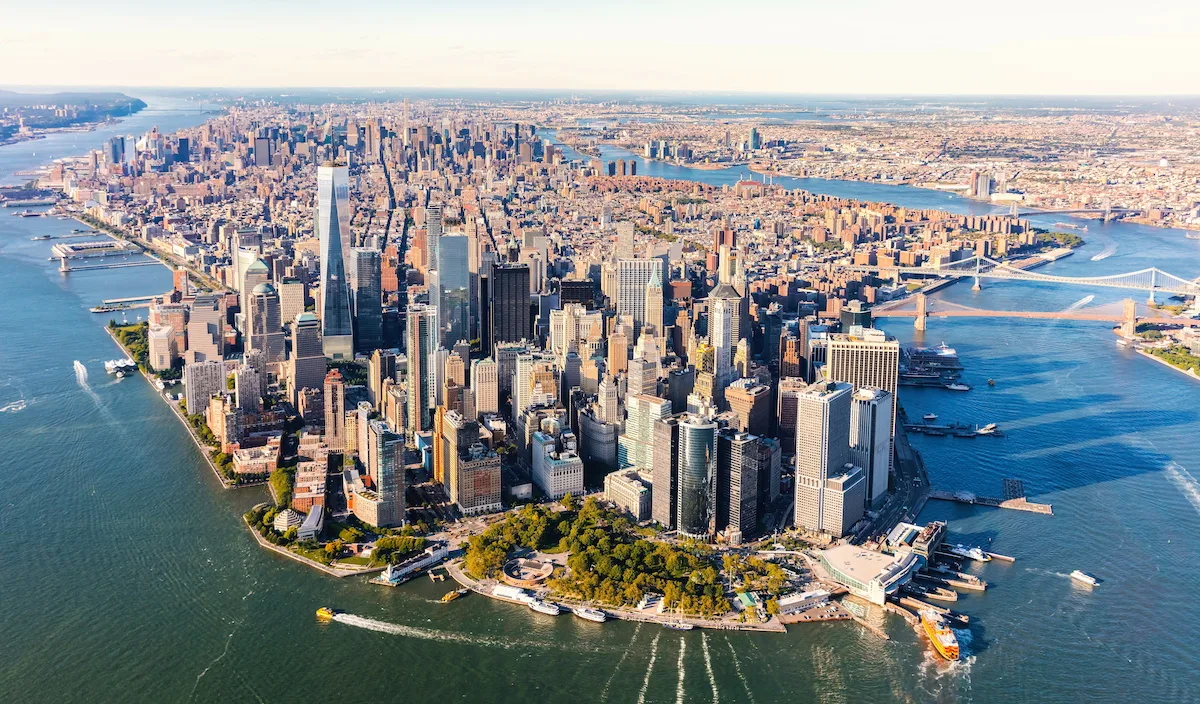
x=943, y=639
x=931, y=366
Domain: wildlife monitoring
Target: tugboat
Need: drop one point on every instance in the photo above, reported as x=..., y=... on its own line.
x=940, y=635
x=325, y=614
x=591, y=614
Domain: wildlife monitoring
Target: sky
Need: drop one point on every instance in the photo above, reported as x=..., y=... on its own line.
x=892, y=47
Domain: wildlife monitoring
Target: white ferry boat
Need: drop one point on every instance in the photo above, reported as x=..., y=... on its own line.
x=545, y=607
x=929, y=417
x=591, y=614
x=971, y=553
x=988, y=429
x=958, y=387
x=1084, y=578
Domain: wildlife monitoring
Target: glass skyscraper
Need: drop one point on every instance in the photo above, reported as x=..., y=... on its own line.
x=366, y=295
x=454, y=289
x=697, y=476
x=333, y=229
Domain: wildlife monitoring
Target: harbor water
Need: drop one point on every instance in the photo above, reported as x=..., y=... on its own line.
x=128, y=575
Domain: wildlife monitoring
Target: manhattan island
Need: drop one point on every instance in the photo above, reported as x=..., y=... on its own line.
x=473, y=321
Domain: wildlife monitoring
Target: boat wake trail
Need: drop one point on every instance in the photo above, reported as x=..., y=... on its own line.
x=679, y=688
x=708, y=667
x=737, y=666
x=211, y=665
x=14, y=407
x=1049, y=573
x=1186, y=483
x=81, y=378
x=649, y=668
x=396, y=629
x=1079, y=304
x=1109, y=250
x=604, y=692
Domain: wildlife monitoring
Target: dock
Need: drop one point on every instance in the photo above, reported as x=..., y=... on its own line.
x=1020, y=504
x=65, y=267
x=998, y=556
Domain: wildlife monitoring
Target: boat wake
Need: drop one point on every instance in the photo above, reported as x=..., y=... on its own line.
x=1109, y=250
x=1048, y=573
x=396, y=629
x=682, y=672
x=712, y=680
x=649, y=668
x=737, y=666
x=1080, y=303
x=624, y=654
x=14, y=407
x=1186, y=482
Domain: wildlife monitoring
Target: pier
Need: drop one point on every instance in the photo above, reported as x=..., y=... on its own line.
x=64, y=267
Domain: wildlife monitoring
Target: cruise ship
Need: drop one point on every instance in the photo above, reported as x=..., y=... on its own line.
x=940, y=635
x=942, y=357
x=591, y=614
x=545, y=607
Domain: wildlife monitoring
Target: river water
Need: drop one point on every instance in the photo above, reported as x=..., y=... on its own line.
x=128, y=576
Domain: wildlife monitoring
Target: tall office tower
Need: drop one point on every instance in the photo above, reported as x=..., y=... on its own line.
x=697, y=474
x=385, y=466
x=114, y=150
x=485, y=383
x=750, y=401
x=873, y=360
x=266, y=332
x=556, y=466
x=871, y=440
x=654, y=323
x=420, y=332
x=455, y=370
x=680, y=383
x=433, y=234
x=333, y=229
x=770, y=468
x=618, y=350
x=307, y=366
x=754, y=141
x=291, y=299
x=741, y=359
x=509, y=309
x=608, y=409
x=624, y=239
x=335, y=411
x=789, y=413
x=200, y=381
x=255, y=272
x=262, y=151
x=642, y=377
x=830, y=492
x=206, y=328
x=381, y=368
x=470, y=473
x=738, y=456
x=453, y=290
x=664, y=472
x=634, y=447
x=247, y=384
x=792, y=362
x=366, y=297
x=723, y=305
x=632, y=277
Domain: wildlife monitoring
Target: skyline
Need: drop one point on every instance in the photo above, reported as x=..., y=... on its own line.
x=866, y=48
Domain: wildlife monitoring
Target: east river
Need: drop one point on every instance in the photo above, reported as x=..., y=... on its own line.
x=127, y=575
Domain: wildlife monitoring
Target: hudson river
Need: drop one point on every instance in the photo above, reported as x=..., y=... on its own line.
x=127, y=574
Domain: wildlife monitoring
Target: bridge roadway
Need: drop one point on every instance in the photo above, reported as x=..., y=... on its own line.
x=1038, y=314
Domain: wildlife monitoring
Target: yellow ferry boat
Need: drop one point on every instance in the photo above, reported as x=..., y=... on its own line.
x=451, y=596
x=940, y=635
x=325, y=614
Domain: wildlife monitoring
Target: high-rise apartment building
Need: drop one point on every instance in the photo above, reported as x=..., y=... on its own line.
x=333, y=230
x=200, y=381
x=420, y=335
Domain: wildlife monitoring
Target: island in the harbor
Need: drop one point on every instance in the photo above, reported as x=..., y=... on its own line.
x=29, y=115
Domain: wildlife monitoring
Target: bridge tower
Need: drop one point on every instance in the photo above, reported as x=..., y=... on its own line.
x=1153, y=279
x=976, y=287
x=1013, y=210
x=919, y=323
x=1129, y=326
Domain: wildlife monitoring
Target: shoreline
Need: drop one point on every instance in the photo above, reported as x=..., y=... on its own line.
x=327, y=569
x=1186, y=372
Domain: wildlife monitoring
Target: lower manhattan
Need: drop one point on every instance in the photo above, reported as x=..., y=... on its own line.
x=600, y=352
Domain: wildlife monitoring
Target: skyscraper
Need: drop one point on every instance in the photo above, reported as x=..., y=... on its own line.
x=385, y=465
x=266, y=333
x=422, y=321
x=307, y=365
x=723, y=305
x=634, y=448
x=751, y=402
x=665, y=472
x=335, y=411
x=633, y=276
x=697, y=470
x=485, y=384
x=830, y=492
x=333, y=229
x=200, y=381
x=453, y=290
x=433, y=234
x=870, y=359
x=366, y=297
x=509, y=305
x=738, y=457
x=871, y=439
